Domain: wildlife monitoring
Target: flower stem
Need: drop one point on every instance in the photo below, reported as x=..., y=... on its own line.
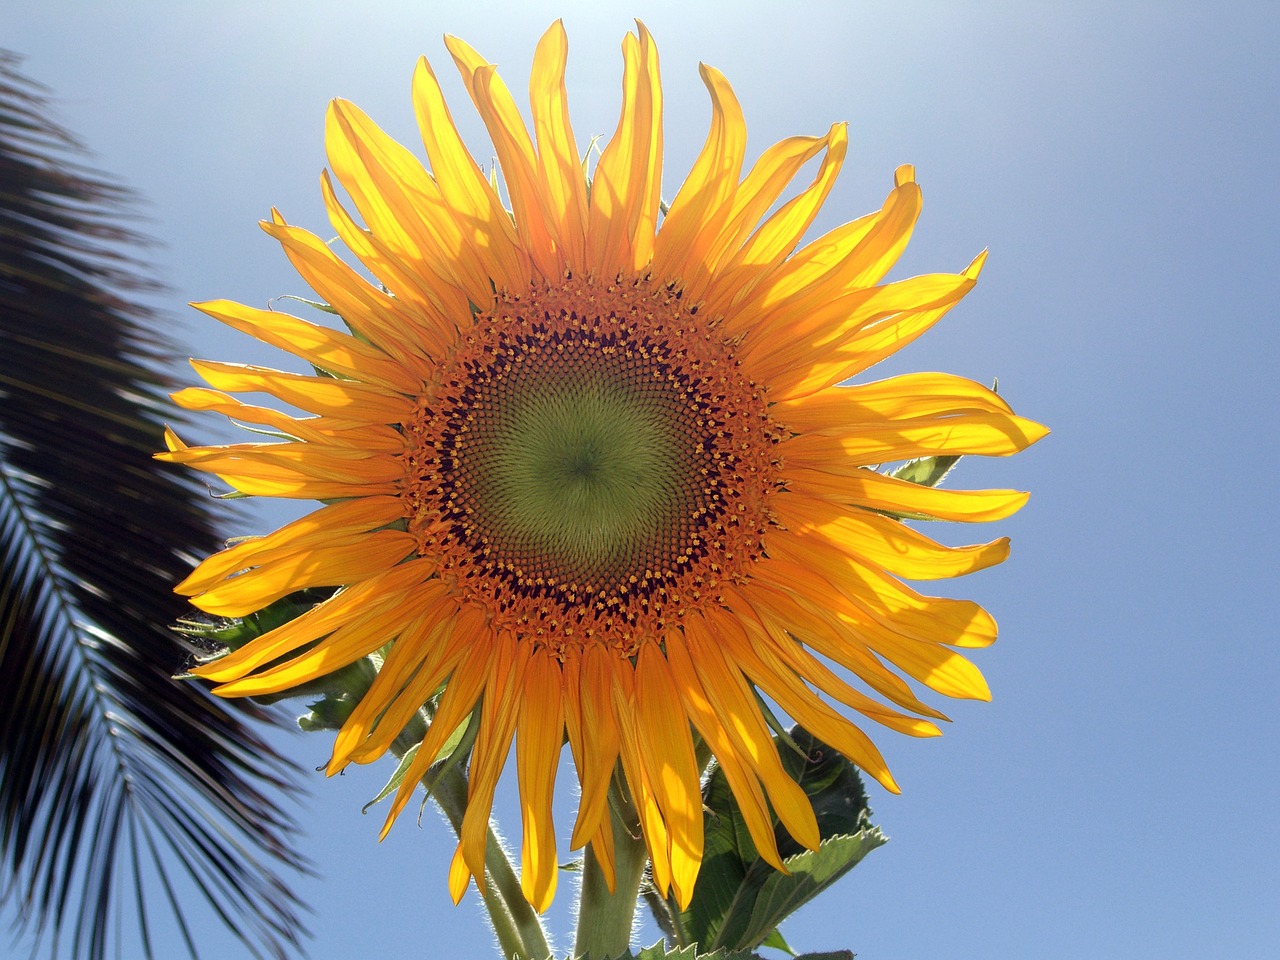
x=520, y=933
x=605, y=919
x=515, y=922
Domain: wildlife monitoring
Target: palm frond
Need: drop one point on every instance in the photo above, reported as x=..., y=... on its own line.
x=118, y=785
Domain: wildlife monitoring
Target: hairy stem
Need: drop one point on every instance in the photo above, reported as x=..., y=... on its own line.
x=605, y=919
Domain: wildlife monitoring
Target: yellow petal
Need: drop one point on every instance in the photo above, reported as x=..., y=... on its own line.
x=436, y=287
x=888, y=600
x=559, y=167
x=344, y=399
x=731, y=699
x=780, y=611
x=459, y=875
x=874, y=442
x=865, y=346
x=778, y=236
x=851, y=257
x=336, y=522
x=322, y=430
x=348, y=605
x=787, y=345
x=422, y=650
x=758, y=192
x=485, y=224
x=503, y=692
x=465, y=686
x=743, y=783
x=768, y=634
x=638, y=776
x=909, y=395
x=403, y=206
x=884, y=541
x=593, y=736
x=875, y=491
x=700, y=208
x=623, y=215
x=285, y=571
x=940, y=668
x=515, y=154
x=907, y=639
x=358, y=637
x=366, y=309
x=602, y=846
x=666, y=751
x=538, y=741
x=290, y=459
x=780, y=683
x=427, y=658
x=328, y=349
x=284, y=470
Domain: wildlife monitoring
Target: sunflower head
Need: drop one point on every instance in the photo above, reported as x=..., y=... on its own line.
x=596, y=474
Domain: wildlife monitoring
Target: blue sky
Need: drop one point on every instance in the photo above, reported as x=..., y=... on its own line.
x=1119, y=160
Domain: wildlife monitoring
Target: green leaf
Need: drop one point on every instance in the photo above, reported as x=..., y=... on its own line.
x=777, y=942
x=740, y=900
x=811, y=873
x=927, y=472
x=833, y=786
x=660, y=951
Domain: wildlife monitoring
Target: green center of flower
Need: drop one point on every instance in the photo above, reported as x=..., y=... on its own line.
x=591, y=459
x=584, y=469
x=583, y=474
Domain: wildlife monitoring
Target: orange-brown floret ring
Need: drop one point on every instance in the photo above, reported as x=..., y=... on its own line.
x=590, y=459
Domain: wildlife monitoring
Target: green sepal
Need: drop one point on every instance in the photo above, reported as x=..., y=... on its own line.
x=926, y=471
x=317, y=304
x=454, y=747
x=333, y=312
x=336, y=694
x=397, y=777
x=221, y=635
x=740, y=900
x=263, y=432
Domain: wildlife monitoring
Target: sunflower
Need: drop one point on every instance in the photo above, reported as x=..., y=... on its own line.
x=593, y=474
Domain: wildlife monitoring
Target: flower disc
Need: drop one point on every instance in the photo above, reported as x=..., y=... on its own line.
x=589, y=456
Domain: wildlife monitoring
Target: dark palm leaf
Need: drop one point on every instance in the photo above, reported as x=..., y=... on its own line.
x=117, y=784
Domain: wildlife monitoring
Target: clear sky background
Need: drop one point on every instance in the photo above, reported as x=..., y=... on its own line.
x=1118, y=797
